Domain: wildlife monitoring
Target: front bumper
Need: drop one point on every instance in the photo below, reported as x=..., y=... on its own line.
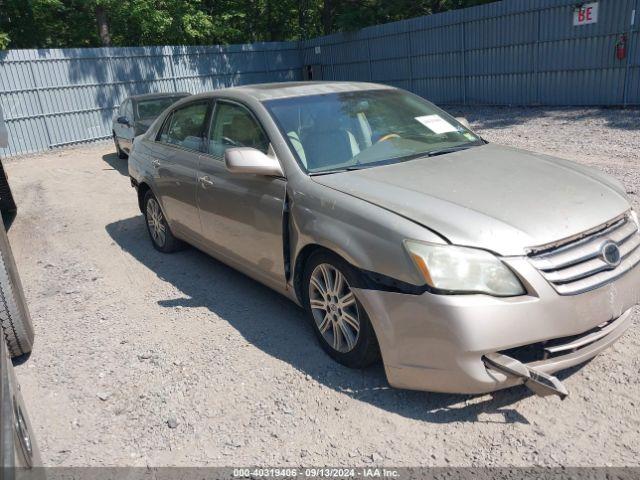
x=436, y=342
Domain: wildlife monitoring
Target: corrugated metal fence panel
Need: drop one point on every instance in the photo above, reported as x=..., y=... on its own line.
x=59, y=97
x=633, y=78
x=632, y=84
x=510, y=52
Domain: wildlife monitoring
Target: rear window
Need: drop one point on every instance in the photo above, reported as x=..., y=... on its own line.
x=148, y=109
x=186, y=126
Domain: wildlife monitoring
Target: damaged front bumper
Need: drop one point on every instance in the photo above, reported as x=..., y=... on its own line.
x=540, y=383
x=475, y=344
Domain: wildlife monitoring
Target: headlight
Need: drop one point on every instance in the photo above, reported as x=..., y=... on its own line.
x=463, y=270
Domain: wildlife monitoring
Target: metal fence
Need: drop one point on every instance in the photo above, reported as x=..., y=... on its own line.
x=525, y=52
x=53, y=98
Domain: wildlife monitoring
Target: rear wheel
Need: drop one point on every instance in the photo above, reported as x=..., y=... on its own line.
x=14, y=314
x=157, y=226
x=339, y=320
x=119, y=151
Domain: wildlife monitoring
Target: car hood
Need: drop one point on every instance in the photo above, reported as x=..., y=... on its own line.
x=492, y=197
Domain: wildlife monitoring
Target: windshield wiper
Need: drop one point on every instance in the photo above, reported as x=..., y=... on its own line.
x=443, y=151
x=327, y=172
x=337, y=170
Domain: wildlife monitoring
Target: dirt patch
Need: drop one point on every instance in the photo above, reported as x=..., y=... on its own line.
x=150, y=359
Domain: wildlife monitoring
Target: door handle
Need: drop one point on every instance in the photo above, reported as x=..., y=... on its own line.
x=206, y=181
x=155, y=163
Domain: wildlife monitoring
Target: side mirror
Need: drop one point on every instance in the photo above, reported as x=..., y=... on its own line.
x=464, y=122
x=250, y=160
x=123, y=121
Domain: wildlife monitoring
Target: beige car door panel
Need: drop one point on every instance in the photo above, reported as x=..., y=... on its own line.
x=241, y=217
x=176, y=183
x=241, y=214
x=179, y=145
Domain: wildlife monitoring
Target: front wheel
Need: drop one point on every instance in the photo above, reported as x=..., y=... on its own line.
x=339, y=320
x=157, y=226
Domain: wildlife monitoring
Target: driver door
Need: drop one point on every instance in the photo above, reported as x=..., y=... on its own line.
x=241, y=214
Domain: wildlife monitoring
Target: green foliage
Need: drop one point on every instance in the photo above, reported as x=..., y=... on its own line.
x=4, y=40
x=75, y=23
x=355, y=14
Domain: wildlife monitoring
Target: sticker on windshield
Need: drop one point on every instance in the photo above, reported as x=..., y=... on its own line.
x=436, y=124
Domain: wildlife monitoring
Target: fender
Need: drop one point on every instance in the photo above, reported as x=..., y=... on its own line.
x=366, y=236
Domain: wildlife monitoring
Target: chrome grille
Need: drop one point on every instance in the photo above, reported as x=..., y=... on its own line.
x=578, y=265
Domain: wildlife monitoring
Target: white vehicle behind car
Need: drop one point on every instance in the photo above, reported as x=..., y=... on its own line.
x=136, y=114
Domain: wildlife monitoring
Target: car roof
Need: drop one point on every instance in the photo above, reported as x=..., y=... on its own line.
x=149, y=96
x=271, y=91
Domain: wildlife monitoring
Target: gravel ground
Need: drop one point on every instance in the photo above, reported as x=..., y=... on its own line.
x=147, y=359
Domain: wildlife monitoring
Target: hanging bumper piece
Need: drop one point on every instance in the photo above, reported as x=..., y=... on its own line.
x=539, y=383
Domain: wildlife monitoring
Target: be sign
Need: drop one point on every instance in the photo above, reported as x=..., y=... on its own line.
x=585, y=14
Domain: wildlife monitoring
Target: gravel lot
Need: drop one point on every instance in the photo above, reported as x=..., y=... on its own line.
x=148, y=359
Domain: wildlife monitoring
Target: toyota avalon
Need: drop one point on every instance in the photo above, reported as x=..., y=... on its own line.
x=463, y=265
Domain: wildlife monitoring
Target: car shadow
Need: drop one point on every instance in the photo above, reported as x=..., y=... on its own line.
x=278, y=327
x=115, y=163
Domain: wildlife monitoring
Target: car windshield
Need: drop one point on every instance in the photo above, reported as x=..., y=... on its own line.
x=153, y=107
x=360, y=129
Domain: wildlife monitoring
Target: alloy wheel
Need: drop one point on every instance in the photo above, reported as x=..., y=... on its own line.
x=334, y=307
x=155, y=222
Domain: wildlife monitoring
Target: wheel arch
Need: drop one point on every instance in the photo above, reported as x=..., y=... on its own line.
x=357, y=279
x=143, y=188
x=300, y=263
x=364, y=279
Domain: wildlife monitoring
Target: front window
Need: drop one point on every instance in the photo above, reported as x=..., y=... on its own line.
x=150, y=109
x=233, y=126
x=352, y=130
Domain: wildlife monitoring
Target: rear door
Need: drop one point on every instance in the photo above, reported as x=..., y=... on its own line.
x=179, y=144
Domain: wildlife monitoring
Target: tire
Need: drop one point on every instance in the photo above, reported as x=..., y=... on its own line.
x=119, y=151
x=14, y=314
x=161, y=236
x=337, y=336
x=7, y=202
x=8, y=208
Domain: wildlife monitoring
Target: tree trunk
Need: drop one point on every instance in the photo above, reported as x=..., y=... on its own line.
x=327, y=17
x=103, y=26
x=302, y=19
x=270, y=25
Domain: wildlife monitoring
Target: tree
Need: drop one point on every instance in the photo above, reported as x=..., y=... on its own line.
x=349, y=15
x=93, y=23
